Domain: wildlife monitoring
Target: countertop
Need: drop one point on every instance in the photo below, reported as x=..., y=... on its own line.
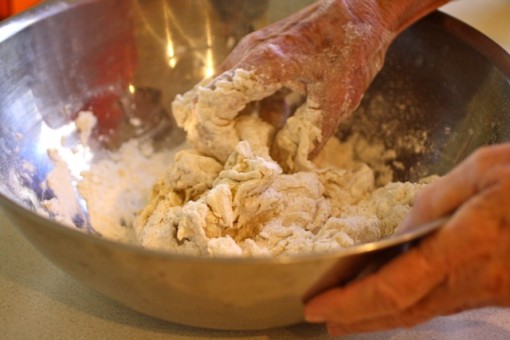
x=37, y=300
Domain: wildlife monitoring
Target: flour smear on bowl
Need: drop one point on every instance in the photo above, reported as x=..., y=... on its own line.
x=223, y=195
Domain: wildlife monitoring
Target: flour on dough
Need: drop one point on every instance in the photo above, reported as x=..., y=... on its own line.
x=227, y=197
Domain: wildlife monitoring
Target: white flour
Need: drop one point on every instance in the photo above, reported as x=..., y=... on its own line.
x=85, y=123
x=115, y=187
x=118, y=186
x=63, y=206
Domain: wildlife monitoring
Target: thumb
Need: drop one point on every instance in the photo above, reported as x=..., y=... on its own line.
x=449, y=192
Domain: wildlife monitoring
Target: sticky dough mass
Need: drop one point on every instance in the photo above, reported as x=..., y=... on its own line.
x=227, y=197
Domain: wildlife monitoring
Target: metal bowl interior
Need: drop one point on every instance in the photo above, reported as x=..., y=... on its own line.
x=442, y=82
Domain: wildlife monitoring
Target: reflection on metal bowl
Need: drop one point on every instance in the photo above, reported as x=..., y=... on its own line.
x=441, y=78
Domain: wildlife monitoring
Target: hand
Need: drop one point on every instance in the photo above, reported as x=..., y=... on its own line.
x=466, y=264
x=328, y=52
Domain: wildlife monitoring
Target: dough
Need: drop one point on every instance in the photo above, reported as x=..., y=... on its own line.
x=227, y=197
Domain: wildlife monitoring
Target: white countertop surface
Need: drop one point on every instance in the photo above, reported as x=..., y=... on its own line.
x=37, y=300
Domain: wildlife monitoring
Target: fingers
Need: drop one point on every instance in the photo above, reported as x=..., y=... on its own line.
x=339, y=92
x=275, y=109
x=319, y=52
x=411, y=289
x=396, y=287
x=468, y=281
x=450, y=191
x=336, y=100
x=440, y=301
x=464, y=265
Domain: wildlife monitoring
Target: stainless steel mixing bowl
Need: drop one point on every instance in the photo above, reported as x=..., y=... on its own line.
x=443, y=82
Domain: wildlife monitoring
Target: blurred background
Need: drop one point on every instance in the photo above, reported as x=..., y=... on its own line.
x=11, y=7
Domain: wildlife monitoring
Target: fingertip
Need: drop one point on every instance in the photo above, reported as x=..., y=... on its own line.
x=420, y=212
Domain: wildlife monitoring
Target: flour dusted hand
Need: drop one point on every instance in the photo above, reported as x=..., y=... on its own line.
x=326, y=52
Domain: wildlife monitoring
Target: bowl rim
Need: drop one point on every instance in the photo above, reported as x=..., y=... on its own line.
x=365, y=248
x=470, y=36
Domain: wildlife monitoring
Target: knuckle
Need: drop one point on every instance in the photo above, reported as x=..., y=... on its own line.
x=272, y=51
x=480, y=159
x=498, y=174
